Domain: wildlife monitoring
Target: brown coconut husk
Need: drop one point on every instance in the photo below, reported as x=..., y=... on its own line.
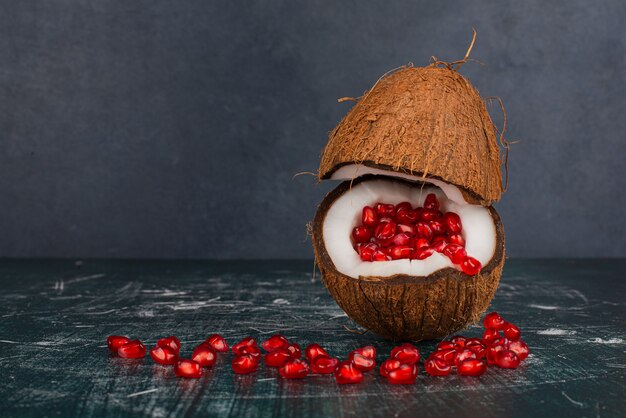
x=404, y=307
x=426, y=121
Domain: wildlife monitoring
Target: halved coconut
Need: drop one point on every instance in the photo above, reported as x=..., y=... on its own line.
x=406, y=299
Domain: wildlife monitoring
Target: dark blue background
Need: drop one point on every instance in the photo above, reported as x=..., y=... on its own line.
x=174, y=128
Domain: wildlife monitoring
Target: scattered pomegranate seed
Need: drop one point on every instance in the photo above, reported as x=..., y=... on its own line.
x=248, y=341
x=493, y=320
x=511, y=332
x=389, y=365
x=275, y=342
x=277, y=357
x=295, y=350
x=116, y=341
x=323, y=364
x=294, y=369
x=204, y=355
x=251, y=350
x=472, y=367
x=406, y=374
x=507, y=359
x=431, y=202
x=458, y=341
x=314, y=350
x=446, y=344
x=347, y=373
x=361, y=234
x=453, y=222
x=406, y=353
x=365, y=364
x=132, y=349
x=218, y=343
x=188, y=368
x=437, y=367
x=477, y=346
x=244, y=364
x=171, y=342
x=448, y=355
x=490, y=334
x=492, y=353
x=462, y=355
x=369, y=217
x=471, y=266
x=520, y=348
x=368, y=351
x=164, y=355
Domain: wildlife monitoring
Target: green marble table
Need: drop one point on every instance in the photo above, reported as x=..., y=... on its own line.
x=55, y=316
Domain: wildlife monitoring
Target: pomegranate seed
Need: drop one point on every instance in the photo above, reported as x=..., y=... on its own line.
x=248, y=341
x=453, y=222
x=455, y=253
x=116, y=341
x=439, y=243
x=380, y=256
x=366, y=252
x=419, y=243
x=251, y=350
x=188, y=368
x=437, y=367
x=401, y=239
x=294, y=369
x=274, y=343
x=204, y=355
x=385, y=230
x=361, y=234
x=244, y=364
x=218, y=343
x=294, y=350
x=406, y=374
x=385, y=210
x=463, y=355
x=347, y=373
x=499, y=341
x=458, y=341
x=493, y=320
x=471, y=266
x=314, y=350
x=477, y=346
x=324, y=364
x=472, y=367
x=456, y=239
x=507, y=359
x=277, y=357
x=448, y=355
x=520, y=348
x=511, y=332
x=431, y=202
x=428, y=215
x=492, y=353
x=401, y=251
x=132, y=349
x=369, y=217
x=423, y=253
x=389, y=365
x=407, y=229
x=368, y=351
x=406, y=216
x=445, y=344
x=437, y=227
x=403, y=206
x=164, y=355
x=424, y=231
x=490, y=334
x=406, y=353
x=171, y=342
x=365, y=364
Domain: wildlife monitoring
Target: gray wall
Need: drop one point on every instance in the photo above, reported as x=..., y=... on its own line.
x=173, y=128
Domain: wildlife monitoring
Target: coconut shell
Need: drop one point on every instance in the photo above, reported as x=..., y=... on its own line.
x=404, y=307
x=426, y=121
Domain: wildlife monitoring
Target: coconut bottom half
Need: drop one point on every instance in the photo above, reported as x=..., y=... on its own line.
x=405, y=299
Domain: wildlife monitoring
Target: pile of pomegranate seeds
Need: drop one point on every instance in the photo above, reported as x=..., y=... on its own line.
x=393, y=232
x=500, y=345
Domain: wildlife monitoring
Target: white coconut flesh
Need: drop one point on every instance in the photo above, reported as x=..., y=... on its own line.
x=479, y=230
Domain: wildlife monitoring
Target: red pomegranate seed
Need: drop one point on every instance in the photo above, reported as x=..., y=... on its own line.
x=424, y=231
x=428, y=215
x=275, y=342
x=244, y=364
x=324, y=364
x=437, y=226
x=446, y=344
x=462, y=355
x=188, y=368
x=406, y=216
x=440, y=243
x=294, y=350
x=520, y=348
x=164, y=355
x=171, y=342
x=116, y=341
x=472, y=367
x=507, y=359
x=314, y=350
x=248, y=341
x=406, y=229
x=365, y=364
x=361, y=234
x=204, y=355
x=366, y=252
x=406, y=353
x=419, y=243
x=477, y=346
x=367, y=351
x=511, y=332
x=458, y=341
x=493, y=320
x=251, y=350
x=456, y=239
x=380, y=256
x=492, y=353
x=455, y=253
x=490, y=334
x=385, y=210
x=400, y=251
x=347, y=373
x=294, y=369
x=471, y=266
x=447, y=354
x=385, y=230
x=406, y=374
x=423, y=253
x=369, y=217
x=389, y=365
x=453, y=222
x=401, y=239
x=431, y=202
x=218, y=343
x=437, y=367
x=277, y=357
x=403, y=206
x=132, y=349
